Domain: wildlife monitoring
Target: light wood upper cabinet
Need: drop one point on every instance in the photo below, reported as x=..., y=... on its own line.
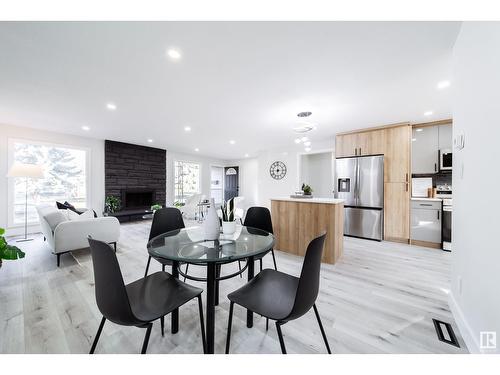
x=396, y=211
x=346, y=145
x=372, y=142
x=397, y=154
x=362, y=143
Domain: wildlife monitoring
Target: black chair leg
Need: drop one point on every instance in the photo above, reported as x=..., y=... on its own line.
x=267, y=324
x=163, y=267
x=187, y=267
x=58, y=259
x=260, y=260
x=98, y=334
x=280, y=336
x=162, y=322
x=274, y=260
x=239, y=266
x=322, y=330
x=147, y=266
x=229, y=324
x=202, y=324
x=146, y=339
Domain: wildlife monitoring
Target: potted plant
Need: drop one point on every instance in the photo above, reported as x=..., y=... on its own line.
x=8, y=252
x=307, y=189
x=155, y=207
x=228, y=222
x=112, y=204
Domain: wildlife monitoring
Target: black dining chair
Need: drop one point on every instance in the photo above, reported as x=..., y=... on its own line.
x=165, y=220
x=281, y=297
x=260, y=218
x=141, y=302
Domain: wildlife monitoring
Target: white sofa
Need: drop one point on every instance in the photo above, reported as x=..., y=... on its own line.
x=72, y=235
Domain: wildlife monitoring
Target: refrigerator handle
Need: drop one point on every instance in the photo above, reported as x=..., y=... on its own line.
x=357, y=181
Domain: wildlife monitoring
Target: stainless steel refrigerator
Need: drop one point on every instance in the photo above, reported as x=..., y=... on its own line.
x=360, y=182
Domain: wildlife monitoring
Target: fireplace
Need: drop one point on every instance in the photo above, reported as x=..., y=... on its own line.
x=134, y=199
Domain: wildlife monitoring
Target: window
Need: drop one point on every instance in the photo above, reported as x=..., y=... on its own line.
x=217, y=184
x=186, y=181
x=65, y=171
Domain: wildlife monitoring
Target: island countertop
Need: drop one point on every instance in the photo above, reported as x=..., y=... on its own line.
x=296, y=221
x=310, y=200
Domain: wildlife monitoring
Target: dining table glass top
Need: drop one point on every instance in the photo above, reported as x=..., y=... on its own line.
x=189, y=245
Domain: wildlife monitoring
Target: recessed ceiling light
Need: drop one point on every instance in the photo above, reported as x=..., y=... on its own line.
x=443, y=84
x=86, y=128
x=187, y=128
x=232, y=142
x=308, y=143
x=197, y=149
x=307, y=149
x=413, y=139
x=297, y=140
x=428, y=113
x=111, y=106
x=150, y=140
x=420, y=130
x=174, y=54
x=304, y=139
x=246, y=155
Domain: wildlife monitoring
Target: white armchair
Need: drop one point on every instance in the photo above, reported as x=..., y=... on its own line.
x=72, y=235
x=190, y=209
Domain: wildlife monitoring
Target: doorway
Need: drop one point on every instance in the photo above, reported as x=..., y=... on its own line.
x=231, y=182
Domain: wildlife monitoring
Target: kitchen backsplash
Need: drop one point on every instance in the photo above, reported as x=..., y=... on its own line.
x=437, y=178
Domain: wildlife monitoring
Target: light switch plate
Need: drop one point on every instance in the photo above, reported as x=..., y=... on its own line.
x=459, y=141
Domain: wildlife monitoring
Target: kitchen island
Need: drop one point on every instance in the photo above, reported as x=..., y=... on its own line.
x=296, y=221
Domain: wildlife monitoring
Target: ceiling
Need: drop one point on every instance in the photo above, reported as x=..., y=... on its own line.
x=241, y=81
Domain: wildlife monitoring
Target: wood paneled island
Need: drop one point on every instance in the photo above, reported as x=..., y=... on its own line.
x=296, y=221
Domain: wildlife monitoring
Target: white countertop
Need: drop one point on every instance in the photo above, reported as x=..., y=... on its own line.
x=310, y=200
x=426, y=199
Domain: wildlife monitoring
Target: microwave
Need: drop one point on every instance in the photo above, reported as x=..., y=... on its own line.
x=445, y=160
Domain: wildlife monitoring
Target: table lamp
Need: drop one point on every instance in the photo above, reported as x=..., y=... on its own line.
x=27, y=171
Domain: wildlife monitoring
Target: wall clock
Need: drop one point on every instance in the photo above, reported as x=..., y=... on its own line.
x=277, y=170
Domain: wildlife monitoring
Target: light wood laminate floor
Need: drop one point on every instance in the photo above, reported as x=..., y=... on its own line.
x=379, y=298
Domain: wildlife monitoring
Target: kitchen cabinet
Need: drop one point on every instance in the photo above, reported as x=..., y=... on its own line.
x=396, y=212
x=426, y=219
x=424, y=149
x=397, y=154
x=346, y=145
x=445, y=136
x=361, y=143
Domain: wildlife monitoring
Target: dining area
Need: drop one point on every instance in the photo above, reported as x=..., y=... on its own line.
x=193, y=267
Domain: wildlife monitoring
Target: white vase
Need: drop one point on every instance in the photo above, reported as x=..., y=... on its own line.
x=228, y=227
x=211, y=225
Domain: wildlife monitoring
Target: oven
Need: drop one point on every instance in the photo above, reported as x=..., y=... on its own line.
x=446, y=224
x=445, y=160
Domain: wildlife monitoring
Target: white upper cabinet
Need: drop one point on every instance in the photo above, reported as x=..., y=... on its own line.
x=445, y=137
x=424, y=149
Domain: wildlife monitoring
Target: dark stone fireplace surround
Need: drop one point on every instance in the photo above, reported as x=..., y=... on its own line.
x=138, y=170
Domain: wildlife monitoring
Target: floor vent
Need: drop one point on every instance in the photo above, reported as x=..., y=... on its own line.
x=445, y=333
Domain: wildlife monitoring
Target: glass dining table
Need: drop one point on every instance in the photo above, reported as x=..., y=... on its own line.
x=188, y=246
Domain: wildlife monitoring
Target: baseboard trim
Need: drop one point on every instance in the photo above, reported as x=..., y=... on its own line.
x=465, y=330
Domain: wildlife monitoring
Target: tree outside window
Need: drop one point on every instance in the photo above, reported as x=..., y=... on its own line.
x=186, y=180
x=65, y=178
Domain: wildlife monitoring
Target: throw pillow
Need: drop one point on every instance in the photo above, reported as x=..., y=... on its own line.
x=73, y=216
x=54, y=219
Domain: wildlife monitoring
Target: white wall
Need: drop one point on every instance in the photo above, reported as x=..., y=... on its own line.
x=96, y=166
x=476, y=207
x=316, y=170
x=268, y=187
x=205, y=171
